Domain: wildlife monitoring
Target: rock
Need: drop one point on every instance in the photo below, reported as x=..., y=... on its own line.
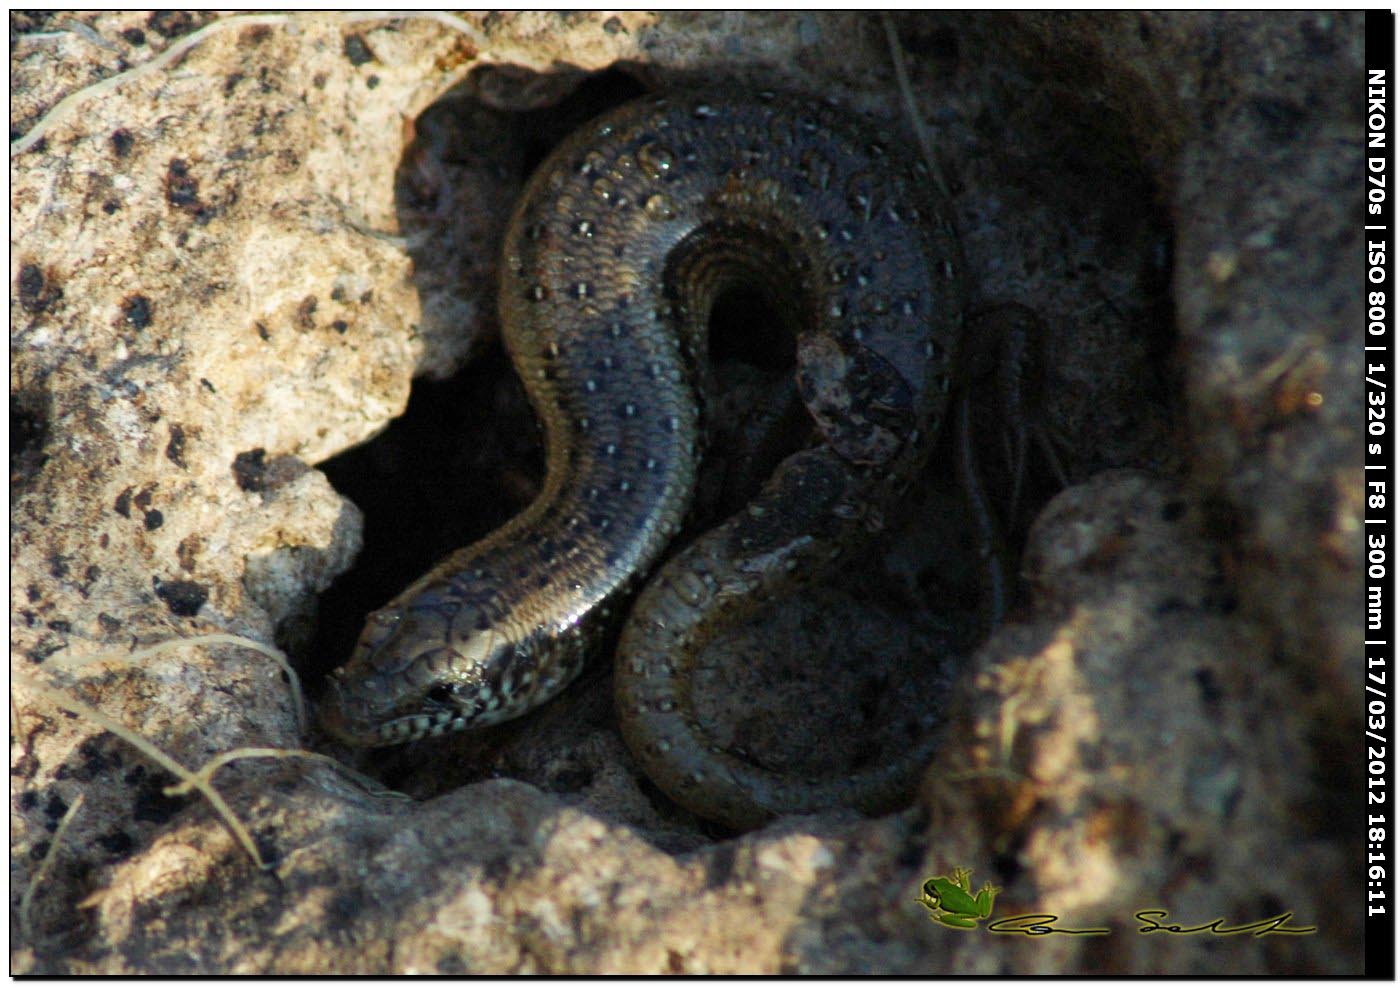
x=1116, y=745
x=230, y=261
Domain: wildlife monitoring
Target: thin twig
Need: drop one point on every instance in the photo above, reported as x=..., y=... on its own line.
x=18, y=733
x=89, y=35
x=27, y=900
x=906, y=92
x=206, y=773
x=66, y=106
x=176, y=643
x=215, y=799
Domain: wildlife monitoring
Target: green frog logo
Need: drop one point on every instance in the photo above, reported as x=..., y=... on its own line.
x=950, y=900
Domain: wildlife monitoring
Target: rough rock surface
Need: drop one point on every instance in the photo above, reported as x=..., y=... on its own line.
x=230, y=262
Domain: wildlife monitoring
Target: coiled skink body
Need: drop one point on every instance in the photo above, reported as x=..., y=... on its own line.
x=615, y=254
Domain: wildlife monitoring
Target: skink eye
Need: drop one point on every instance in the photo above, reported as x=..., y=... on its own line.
x=441, y=693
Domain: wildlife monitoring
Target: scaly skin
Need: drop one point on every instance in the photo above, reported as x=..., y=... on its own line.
x=615, y=255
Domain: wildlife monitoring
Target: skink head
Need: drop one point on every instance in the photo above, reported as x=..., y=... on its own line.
x=426, y=665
